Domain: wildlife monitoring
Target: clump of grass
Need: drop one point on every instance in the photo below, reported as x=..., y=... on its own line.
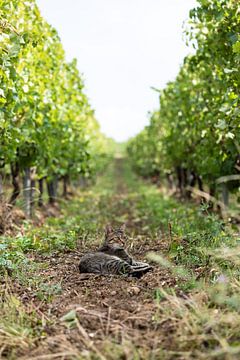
x=206, y=322
x=198, y=328
x=20, y=325
x=19, y=266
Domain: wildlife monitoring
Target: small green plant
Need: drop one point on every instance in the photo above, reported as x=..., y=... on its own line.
x=46, y=292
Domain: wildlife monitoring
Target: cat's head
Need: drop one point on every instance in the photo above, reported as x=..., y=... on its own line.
x=116, y=235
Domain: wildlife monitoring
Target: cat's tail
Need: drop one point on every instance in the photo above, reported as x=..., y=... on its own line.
x=140, y=269
x=120, y=267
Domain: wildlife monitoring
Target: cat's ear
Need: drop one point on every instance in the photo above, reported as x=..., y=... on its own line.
x=108, y=230
x=123, y=227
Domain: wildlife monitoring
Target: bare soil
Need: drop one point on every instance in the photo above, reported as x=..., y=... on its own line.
x=115, y=308
x=100, y=317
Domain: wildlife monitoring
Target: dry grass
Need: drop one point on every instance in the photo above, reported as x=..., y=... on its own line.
x=17, y=323
x=199, y=328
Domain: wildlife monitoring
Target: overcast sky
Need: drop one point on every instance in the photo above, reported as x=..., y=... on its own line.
x=123, y=48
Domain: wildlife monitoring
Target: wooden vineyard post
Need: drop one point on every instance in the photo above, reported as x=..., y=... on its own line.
x=27, y=192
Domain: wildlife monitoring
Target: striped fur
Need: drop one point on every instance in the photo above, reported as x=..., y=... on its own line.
x=111, y=258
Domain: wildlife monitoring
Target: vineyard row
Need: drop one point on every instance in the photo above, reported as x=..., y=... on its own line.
x=194, y=136
x=47, y=127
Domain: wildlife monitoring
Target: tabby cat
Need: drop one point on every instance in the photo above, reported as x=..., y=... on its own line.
x=111, y=258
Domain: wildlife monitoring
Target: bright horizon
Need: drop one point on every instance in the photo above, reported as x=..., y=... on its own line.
x=123, y=49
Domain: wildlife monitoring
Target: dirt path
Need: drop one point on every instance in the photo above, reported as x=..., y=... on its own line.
x=103, y=317
x=185, y=309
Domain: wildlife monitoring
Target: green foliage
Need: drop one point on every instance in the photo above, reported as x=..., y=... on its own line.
x=45, y=120
x=198, y=124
